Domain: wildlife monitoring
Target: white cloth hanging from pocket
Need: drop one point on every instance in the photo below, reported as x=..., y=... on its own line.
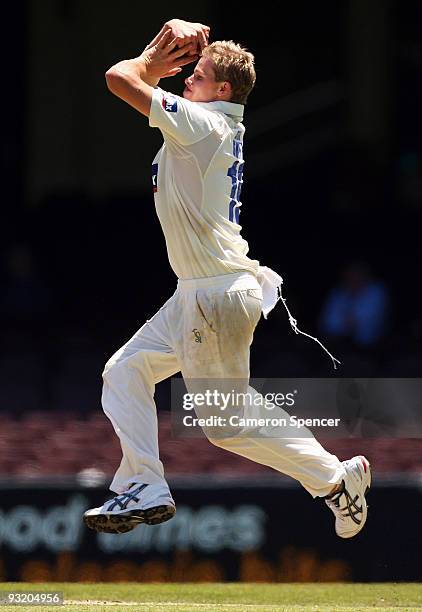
x=271, y=283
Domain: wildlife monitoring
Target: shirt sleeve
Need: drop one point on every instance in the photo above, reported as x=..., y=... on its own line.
x=184, y=121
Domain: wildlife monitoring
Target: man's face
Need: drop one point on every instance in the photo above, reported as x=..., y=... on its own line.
x=201, y=86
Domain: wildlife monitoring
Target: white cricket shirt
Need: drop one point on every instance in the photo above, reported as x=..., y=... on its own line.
x=197, y=178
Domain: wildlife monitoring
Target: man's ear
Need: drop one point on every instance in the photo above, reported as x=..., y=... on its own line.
x=225, y=91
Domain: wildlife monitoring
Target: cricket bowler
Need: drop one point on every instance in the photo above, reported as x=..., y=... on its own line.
x=206, y=328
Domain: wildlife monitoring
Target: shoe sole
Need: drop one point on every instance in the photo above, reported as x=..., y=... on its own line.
x=122, y=523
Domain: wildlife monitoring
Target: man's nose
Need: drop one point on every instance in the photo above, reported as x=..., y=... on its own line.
x=188, y=80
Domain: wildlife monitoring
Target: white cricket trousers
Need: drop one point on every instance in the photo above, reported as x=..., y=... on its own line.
x=222, y=312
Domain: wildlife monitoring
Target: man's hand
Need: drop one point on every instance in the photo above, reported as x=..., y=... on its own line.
x=133, y=80
x=164, y=59
x=185, y=32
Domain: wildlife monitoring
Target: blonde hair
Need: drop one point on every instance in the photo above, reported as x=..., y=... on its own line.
x=232, y=63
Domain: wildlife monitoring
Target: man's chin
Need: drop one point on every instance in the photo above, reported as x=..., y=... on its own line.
x=187, y=93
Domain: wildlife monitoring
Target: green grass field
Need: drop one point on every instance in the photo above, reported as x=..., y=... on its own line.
x=226, y=597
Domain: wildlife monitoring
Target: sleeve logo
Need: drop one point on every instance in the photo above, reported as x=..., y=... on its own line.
x=169, y=103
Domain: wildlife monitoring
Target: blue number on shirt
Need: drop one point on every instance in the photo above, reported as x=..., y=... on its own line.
x=154, y=171
x=235, y=172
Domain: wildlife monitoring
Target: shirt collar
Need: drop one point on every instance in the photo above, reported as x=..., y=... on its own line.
x=231, y=109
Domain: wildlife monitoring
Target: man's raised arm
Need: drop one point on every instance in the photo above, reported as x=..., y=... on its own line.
x=174, y=46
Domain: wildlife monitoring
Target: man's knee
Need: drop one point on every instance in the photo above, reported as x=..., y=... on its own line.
x=111, y=367
x=115, y=368
x=118, y=366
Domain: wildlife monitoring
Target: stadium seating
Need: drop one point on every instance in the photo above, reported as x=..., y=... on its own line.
x=45, y=443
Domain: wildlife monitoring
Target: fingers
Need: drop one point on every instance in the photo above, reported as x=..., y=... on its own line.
x=163, y=40
x=191, y=32
x=156, y=38
x=203, y=35
x=172, y=44
x=184, y=39
x=188, y=59
x=179, y=52
x=195, y=50
x=202, y=39
x=172, y=72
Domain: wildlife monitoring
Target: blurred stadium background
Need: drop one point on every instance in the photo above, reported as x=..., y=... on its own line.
x=332, y=200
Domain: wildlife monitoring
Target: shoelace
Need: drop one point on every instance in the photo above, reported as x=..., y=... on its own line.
x=350, y=510
x=123, y=499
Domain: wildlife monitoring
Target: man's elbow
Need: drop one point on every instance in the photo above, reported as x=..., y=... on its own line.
x=113, y=79
x=130, y=89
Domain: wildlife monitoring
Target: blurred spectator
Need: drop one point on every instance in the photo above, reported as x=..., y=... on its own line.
x=358, y=309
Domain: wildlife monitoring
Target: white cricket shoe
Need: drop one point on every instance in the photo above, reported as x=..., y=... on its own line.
x=349, y=503
x=141, y=503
